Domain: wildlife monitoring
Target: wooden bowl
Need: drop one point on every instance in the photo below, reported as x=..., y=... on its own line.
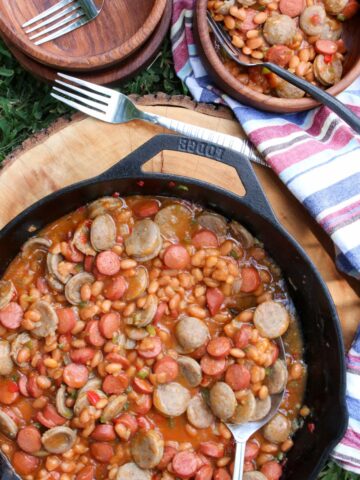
x=113, y=75
x=229, y=84
x=120, y=29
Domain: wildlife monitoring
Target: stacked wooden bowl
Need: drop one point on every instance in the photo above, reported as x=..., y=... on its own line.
x=121, y=41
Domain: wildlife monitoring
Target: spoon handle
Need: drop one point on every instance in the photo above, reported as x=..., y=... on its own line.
x=239, y=460
x=332, y=102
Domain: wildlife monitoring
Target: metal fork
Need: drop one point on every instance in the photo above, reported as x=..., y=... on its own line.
x=243, y=432
x=69, y=14
x=320, y=95
x=113, y=107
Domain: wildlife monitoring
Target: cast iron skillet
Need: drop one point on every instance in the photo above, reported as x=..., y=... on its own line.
x=325, y=392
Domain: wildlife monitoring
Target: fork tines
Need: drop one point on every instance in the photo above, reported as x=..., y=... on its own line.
x=67, y=14
x=92, y=99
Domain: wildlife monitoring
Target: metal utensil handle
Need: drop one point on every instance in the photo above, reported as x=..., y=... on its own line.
x=240, y=145
x=131, y=167
x=332, y=102
x=239, y=460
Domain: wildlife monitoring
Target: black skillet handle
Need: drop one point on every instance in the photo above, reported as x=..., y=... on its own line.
x=131, y=166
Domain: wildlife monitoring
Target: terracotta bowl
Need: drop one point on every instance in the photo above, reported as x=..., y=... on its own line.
x=241, y=92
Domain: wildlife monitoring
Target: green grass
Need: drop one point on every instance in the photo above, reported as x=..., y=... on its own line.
x=26, y=107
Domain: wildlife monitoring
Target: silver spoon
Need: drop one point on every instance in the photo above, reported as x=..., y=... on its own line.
x=332, y=102
x=242, y=432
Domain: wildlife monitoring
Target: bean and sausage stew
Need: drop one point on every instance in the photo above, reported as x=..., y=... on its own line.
x=131, y=331
x=303, y=36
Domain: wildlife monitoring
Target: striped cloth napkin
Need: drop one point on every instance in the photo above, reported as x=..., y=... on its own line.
x=317, y=156
x=347, y=453
x=314, y=153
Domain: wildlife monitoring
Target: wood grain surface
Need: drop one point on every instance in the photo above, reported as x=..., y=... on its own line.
x=120, y=29
x=236, y=89
x=83, y=147
x=115, y=74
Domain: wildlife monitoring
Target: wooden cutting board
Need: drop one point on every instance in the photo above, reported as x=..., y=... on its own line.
x=119, y=30
x=73, y=150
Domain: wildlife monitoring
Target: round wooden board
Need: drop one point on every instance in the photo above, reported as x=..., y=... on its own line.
x=73, y=150
x=118, y=31
x=110, y=76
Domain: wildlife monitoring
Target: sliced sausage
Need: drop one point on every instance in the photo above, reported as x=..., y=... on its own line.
x=86, y=473
x=29, y=439
x=104, y=433
x=11, y=316
x=73, y=287
x=147, y=448
x=109, y=324
x=169, y=453
x=272, y=470
x=142, y=386
x=130, y=471
x=9, y=391
x=176, y=257
x=214, y=300
x=105, y=205
x=81, y=239
x=213, y=222
x=93, y=334
x=262, y=408
x=24, y=463
x=191, y=333
x=115, y=385
x=254, y=476
x=185, y=464
x=67, y=318
x=212, y=366
x=285, y=89
x=190, y=370
x=222, y=401
x=328, y=73
x=204, y=473
x=146, y=208
x=145, y=241
x=116, y=289
x=150, y=347
x=241, y=234
x=279, y=29
x=219, y=347
x=250, y=279
x=82, y=355
x=108, y=263
x=248, y=23
x=278, y=429
x=242, y=336
x=7, y=425
x=173, y=220
x=205, y=239
x=238, y=377
x=326, y=47
x=137, y=284
x=171, y=399
x=142, y=318
x=279, y=54
x=312, y=20
x=198, y=413
x=58, y=439
x=334, y=34
x=221, y=474
x=212, y=449
x=114, y=408
x=271, y=319
x=75, y=375
x=103, y=232
x=292, y=8
x=6, y=364
x=102, y=452
x=168, y=368
x=277, y=378
x=245, y=409
x=252, y=450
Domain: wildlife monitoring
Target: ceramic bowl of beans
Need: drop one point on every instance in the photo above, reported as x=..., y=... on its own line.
x=318, y=41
